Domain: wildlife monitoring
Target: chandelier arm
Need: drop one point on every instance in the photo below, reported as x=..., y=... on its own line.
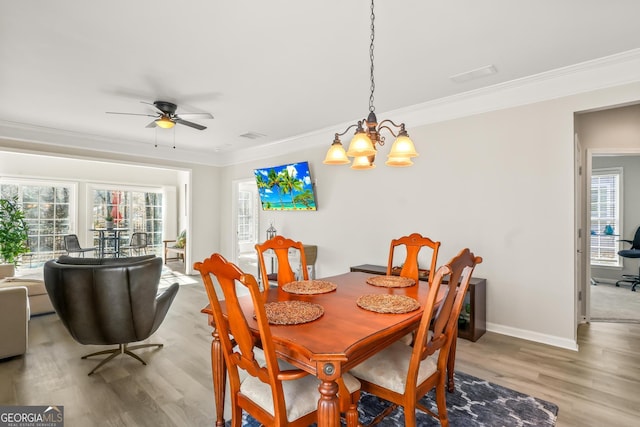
x=389, y=129
x=359, y=124
x=400, y=126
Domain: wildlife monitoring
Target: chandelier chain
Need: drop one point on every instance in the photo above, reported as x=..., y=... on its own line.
x=373, y=83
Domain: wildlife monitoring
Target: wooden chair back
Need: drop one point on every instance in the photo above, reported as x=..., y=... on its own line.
x=413, y=243
x=242, y=356
x=438, y=330
x=280, y=246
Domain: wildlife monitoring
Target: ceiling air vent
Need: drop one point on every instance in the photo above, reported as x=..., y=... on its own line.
x=474, y=74
x=252, y=135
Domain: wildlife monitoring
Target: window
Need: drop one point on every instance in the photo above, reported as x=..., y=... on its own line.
x=605, y=216
x=139, y=210
x=48, y=209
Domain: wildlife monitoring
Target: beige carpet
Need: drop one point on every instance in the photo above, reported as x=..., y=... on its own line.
x=614, y=304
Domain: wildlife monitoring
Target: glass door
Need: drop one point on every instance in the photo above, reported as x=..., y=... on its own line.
x=246, y=218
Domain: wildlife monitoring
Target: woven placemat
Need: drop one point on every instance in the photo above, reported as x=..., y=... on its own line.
x=391, y=281
x=384, y=303
x=292, y=312
x=309, y=287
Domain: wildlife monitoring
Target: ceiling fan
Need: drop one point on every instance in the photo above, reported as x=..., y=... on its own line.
x=166, y=116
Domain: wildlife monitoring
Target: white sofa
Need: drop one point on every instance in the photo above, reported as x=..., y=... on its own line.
x=39, y=301
x=14, y=318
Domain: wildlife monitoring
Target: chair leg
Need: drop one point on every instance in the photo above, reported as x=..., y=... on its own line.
x=441, y=402
x=122, y=349
x=630, y=278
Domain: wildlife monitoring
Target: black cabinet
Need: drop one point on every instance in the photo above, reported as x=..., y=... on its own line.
x=472, y=323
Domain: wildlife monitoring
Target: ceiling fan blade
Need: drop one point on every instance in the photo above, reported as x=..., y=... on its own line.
x=190, y=124
x=196, y=115
x=151, y=125
x=131, y=114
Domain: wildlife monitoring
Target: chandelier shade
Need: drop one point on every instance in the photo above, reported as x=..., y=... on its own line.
x=363, y=144
x=398, y=161
x=336, y=155
x=363, y=162
x=403, y=147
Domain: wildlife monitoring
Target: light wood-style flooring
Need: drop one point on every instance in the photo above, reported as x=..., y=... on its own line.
x=597, y=386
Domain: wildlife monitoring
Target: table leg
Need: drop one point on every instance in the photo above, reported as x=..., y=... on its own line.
x=102, y=243
x=219, y=377
x=328, y=405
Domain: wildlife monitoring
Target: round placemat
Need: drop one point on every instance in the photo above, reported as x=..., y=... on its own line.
x=309, y=287
x=391, y=281
x=384, y=303
x=292, y=312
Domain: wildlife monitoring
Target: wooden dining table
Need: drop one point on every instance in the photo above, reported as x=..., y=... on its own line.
x=342, y=338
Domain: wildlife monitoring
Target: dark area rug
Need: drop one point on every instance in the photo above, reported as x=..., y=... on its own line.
x=474, y=403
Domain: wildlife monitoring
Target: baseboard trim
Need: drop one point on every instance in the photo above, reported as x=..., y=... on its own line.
x=533, y=336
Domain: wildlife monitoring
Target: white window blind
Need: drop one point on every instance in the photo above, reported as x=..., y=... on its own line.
x=605, y=217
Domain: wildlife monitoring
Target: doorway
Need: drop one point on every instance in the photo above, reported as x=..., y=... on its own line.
x=246, y=216
x=610, y=140
x=608, y=301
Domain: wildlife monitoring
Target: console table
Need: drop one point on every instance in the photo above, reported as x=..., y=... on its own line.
x=470, y=327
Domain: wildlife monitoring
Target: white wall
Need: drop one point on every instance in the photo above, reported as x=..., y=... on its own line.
x=500, y=183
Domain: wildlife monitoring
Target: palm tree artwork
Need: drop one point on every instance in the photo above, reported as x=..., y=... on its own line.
x=286, y=187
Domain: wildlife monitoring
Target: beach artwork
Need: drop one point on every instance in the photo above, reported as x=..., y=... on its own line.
x=286, y=188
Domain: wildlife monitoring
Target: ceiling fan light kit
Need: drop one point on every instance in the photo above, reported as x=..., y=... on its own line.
x=363, y=144
x=166, y=116
x=165, y=122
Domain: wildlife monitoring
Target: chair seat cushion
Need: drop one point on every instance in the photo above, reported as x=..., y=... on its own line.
x=629, y=253
x=300, y=396
x=34, y=286
x=388, y=368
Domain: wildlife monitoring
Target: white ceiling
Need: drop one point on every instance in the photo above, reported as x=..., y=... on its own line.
x=278, y=68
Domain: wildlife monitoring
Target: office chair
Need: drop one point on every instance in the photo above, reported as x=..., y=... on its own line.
x=633, y=252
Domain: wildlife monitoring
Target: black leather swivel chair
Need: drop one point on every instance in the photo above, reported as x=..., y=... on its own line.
x=633, y=252
x=111, y=301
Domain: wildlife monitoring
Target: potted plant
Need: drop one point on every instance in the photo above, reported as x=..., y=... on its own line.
x=14, y=234
x=108, y=221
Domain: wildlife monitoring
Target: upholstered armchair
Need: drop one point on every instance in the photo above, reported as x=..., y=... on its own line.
x=14, y=321
x=109, y=301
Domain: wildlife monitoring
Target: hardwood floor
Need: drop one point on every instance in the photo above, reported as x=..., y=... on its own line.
x=597, y=386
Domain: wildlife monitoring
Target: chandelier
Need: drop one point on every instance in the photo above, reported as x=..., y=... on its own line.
x=363, y=144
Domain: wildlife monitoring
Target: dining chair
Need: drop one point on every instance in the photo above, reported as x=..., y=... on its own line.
x=280, y=246
x=413, y=243
x=403, y=374
x=272, y=391
x=137, y=244
x=72, y=245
